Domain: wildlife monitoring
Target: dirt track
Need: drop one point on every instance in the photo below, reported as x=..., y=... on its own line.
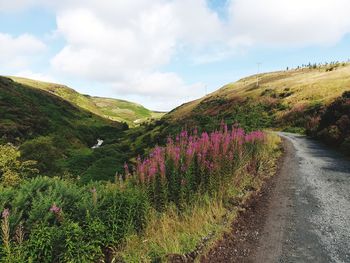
x=303, y=214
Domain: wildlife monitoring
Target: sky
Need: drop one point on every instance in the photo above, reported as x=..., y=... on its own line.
x=162, y=53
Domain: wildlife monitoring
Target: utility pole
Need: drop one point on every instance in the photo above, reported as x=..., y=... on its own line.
x=257, y=75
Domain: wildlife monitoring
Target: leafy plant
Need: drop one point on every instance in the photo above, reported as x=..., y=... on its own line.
x=12, y=169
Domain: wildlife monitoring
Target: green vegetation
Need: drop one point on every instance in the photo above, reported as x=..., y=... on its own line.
x=113, y=109
x=121, y=110
x=131, y=200
x=12, y=169
x=55, y=220
x=283, y=100
x=60, y=220
x=57, y=134
x=333, y=124
x=27, y=113
x=204, y=214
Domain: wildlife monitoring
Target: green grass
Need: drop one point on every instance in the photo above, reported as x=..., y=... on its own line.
x=113, y=109
x=282, y=99
x=173, y=233
x=55, y=132
x=27, y=113
x=121, y=110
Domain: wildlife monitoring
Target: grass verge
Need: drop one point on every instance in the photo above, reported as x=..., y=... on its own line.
x=170, y=236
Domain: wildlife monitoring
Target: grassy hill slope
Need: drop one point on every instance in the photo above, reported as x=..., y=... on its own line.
x=290, y=100
x=55, y=132
x=122, y=110
x=114, y=109
x=283, y=99
x=27, y=113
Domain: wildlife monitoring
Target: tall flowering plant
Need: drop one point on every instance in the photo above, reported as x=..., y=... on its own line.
x=5, y=229
x=195, y=163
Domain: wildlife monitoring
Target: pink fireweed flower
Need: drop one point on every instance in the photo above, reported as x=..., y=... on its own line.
x=55, y=209
x=176, y=156
x=152, y=171
x=6, y=213
x=169, y=141
x=211, y=151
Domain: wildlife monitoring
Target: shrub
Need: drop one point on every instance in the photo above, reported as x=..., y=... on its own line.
x=42, y=150
x=345, y=146
x=334, y=125
x=193, y=164
x=12, y=169
x=65, y=222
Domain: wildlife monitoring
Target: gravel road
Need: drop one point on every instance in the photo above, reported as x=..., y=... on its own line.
x=308, y=218
x=302, y=215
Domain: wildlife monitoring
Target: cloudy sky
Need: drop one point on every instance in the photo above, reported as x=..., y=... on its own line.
x=162, y=53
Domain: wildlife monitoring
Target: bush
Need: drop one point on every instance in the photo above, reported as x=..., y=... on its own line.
x=345, y=146
x=333, y=126
x=42, y=150
x=65, y=222
x=12, y=169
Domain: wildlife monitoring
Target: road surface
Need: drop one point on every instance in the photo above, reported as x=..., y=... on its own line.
x=302, y=214
x=308, y=218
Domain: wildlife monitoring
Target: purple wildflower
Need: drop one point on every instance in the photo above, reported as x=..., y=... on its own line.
x=6, y=213
x=55, y=209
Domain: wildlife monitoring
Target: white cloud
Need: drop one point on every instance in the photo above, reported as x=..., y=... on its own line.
x=295, y=23
x=34, y=75
x=165, y=90
x=100, y=50
x=126, y=44
x=17, y=52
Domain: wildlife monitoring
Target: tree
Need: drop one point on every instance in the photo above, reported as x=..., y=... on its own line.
x=12, y=170
x=42, y=150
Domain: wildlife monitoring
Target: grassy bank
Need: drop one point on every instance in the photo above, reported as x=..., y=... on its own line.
x=172, y=235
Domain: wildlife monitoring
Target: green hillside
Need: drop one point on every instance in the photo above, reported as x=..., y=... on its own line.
x=283, y=99
x=114, y=109
x=53, y=131
x=27, y=113
x=122, y=110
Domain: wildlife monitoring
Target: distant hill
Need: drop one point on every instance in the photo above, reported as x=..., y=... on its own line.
x=283, y=99
x=59, y=134
x=26, y=113
x=114, y=109
x=122, y=110
x=291, y=100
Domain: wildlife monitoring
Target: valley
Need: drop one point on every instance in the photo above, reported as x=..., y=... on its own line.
x=173, y=131
x=113, y=179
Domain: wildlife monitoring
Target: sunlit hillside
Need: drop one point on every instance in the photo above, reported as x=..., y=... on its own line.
x=278, y=97
x=114, y=109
